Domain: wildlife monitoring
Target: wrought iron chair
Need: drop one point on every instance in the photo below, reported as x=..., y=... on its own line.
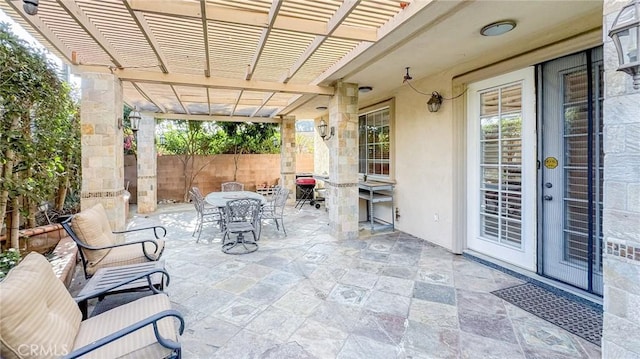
x=38, y=311
x=92, y=233
x=241, y=216
x=205, y=212
x=232, y=186
x=275, y=209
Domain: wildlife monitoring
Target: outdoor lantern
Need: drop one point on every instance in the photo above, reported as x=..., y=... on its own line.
x=434, y=102
x=625, y=32
x=134, y=119
x=322, y=129
x=30, y=6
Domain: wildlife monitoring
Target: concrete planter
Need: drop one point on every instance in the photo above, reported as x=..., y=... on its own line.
x=51, y=240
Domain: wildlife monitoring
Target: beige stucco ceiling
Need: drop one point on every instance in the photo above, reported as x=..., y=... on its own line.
x=260, y=59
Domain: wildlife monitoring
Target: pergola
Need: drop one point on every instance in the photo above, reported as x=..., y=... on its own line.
x=265, y=61
x=241, y=60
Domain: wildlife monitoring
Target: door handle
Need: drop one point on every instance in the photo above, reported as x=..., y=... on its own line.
x=547, y=197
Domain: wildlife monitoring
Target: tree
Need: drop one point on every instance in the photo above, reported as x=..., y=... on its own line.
x=245, y=137
x=187, y=139
x=39, y=136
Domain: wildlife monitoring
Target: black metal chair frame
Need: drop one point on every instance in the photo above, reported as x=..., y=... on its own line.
x=152, y=320
x=66, y=224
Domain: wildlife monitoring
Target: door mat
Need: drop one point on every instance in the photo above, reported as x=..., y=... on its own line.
x=580, y=319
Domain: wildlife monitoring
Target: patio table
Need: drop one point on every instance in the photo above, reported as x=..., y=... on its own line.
x=220, y=199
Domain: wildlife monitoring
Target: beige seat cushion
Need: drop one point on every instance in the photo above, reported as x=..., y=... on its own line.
x=132, y=254
x=92, y=228
x=140, y=344
x=36, y=311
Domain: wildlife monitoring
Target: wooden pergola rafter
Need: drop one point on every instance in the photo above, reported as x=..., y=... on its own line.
x=174, y=51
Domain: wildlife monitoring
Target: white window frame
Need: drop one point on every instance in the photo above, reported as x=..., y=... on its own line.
x=389, y=104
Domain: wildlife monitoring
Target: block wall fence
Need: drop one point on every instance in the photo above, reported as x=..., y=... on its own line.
x=253, y=170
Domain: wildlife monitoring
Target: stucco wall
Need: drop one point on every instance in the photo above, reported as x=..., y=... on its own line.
x=423, y=162
x=429, y=155
x=252, y=170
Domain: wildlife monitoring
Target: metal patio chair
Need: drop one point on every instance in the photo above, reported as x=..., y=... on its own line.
x=91, y=231
x=38, y=312
x=232, y=187
x=275, y=209
x=241, y=216
x=205, y=212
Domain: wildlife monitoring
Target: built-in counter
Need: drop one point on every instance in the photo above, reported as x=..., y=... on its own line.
x=375, y=192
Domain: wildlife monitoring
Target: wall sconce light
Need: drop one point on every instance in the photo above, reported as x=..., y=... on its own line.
x=434, y=102
x=134, y=119
x=625, y=32
x=30, y=6
x=322, y=129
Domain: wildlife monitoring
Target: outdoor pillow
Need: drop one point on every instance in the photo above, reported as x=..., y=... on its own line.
x=38, y=317
x=92, y=228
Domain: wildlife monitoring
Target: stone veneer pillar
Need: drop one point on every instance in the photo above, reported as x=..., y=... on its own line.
x=342, y=187
x=147, y=164
x=288, y=156
x=102, y=146
x=621, y=331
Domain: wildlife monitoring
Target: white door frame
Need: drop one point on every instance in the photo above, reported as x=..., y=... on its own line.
x=526, y=256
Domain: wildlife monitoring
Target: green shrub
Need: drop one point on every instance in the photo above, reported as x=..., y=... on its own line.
x=8, y=260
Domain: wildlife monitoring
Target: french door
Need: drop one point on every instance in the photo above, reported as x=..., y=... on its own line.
x=571, y=92
x=501, y=168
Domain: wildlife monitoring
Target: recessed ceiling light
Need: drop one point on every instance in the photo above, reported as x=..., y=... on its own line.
x=321, y=108
x=498, y=28
x=365, y=89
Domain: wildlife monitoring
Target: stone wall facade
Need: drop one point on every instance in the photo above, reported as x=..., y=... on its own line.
x=102, y=139
x=342, y=187
x=621, y=332
x=147, y=166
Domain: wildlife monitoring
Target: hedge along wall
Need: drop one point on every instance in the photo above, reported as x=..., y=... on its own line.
x=253, y=170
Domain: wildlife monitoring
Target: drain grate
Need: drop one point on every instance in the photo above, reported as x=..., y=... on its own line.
x=580, y=319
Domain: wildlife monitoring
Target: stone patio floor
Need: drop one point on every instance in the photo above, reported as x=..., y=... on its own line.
x=309, y=295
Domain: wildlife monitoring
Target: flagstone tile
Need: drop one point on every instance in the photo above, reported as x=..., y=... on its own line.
x=432, y=342
x=348, y=294
x=319, y=340
x=359, y=279
x=434, y=314
x=387, y=303
x=276, y=323
x=362, y=347
x=403, y=287
x=434, y=293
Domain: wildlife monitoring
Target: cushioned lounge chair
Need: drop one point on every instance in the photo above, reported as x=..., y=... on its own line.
x=92, y=233
x=40, y=319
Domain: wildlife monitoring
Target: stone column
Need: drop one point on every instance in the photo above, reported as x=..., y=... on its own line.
x=102, y=146
x=147, y=165
x=342, y=187
x=288, y=156
x=621, y=331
